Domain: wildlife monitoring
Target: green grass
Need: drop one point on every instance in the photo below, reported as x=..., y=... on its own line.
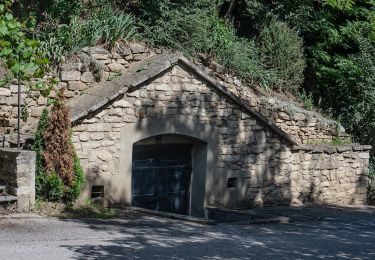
x=334, y=141
x=86, y=209
x=113, y=76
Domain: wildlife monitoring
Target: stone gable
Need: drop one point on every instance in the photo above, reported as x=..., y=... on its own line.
x=268, y=169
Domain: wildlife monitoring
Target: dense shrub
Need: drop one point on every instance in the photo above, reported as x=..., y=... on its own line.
x=73, y=192
x=59, y=175
x=178, y=25
x=18, y=52
x=281, y=50
x=242, y=57
x=58, y=152
x=195, y=26
x=60, y=10
x=103, y=25
x=38, y=147
x=354, y=92
x=339, y=42
x=53, y=187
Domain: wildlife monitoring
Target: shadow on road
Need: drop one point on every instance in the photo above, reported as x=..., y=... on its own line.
x=346, y=234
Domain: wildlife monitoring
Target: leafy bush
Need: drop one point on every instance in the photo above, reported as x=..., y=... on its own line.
x=60, y=10
x=182, y=26
x=242, y=57
x=112, y=25
x=38, y=147
x=306, y=99
x=105, y=25
x=18, y=52
x=195, y=26
x=58, y=152
x=353, y=93
x=59, y=175
x=53, y=187
x=281, y=50
x=73, y=192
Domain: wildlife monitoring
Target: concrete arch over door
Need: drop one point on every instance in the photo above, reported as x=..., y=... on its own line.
x=204, y=154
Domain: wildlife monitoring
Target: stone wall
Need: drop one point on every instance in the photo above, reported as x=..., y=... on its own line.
x=89, y=67
x=17, y=172
x=95, y=65
x=335, y=175
x=268, y=170
x=307, y=127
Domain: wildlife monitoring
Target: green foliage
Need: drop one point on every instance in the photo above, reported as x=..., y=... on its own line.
x=306, y=99
x=73, y=192
x=50, y=187
x=195, y=26
x=104, y=25
x=113, y=25
x=182, y=25
x=18, y=52
x=339, y=43
x=340, y=4
x=53, y=187
x=38, y=147
x=335, y=141
x=353, y=91
x=281, y=51
x=341, y=141
x=60, y=10
x=242, y=57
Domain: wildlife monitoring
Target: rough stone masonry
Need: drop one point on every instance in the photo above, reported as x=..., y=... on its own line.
x=121, y=98
x=270, y=167
x=17, y=173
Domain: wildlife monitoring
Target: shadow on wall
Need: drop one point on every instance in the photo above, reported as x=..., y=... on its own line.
x=238, y=147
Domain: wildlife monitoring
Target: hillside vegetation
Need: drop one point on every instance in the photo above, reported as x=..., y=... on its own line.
x=321, y=51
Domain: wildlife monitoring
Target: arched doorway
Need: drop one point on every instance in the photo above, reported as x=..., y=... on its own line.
x=168, y=174
x=176, y=130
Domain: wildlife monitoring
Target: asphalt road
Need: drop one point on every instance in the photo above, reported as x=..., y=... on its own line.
x=332, y=235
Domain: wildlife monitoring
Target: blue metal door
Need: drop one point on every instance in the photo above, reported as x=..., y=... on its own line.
x=161, y=177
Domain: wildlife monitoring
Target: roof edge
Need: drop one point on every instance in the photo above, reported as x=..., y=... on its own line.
x=134, y=77
x=223, y=90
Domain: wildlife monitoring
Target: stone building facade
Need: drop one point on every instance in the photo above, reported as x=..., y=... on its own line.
x=232, y=146
x=239, y=158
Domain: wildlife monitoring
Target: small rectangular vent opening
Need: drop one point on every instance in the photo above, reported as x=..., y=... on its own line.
x=232, y=183
x=97, y=192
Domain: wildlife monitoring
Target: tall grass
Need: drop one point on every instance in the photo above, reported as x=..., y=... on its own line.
x=105, y=26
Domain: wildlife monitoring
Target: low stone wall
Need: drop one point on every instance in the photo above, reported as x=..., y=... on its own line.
x=336, y=175
x=17, y=173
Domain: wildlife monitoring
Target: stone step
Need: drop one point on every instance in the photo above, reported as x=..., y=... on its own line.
x=5, y=199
